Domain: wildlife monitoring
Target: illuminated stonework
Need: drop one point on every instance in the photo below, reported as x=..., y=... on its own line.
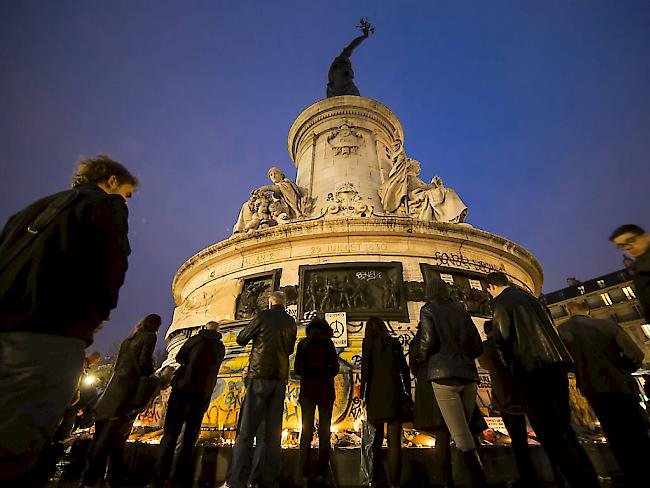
x=344, y=149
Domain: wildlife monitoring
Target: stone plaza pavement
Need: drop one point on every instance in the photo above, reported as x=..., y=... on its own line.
x=418, y=467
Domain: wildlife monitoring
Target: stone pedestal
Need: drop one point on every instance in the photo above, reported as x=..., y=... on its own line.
x=345, y=255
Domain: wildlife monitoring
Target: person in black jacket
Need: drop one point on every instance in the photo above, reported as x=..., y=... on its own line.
x=427, y=416
x=317, y=364
x=449, y=345
x=115, y=410
x=539, y=362
x=62, y=261
x=605, y=357
x=273, y=332
x=385, y=384
x=508, y=399
x=200, y=359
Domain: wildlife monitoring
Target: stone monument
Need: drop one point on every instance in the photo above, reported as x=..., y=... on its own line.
x=357, y=232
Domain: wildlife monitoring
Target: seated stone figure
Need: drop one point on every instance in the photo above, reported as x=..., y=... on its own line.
x=405, y=193
x=254, y=213
x=286, y=191
x=435, y=202
x=393, y=192
x=274, y=204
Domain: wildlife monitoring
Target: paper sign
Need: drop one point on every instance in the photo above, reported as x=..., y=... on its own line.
x=496, y=424
x=476, y=284
x=447, y=278
x=293, y=311
x=339, y=323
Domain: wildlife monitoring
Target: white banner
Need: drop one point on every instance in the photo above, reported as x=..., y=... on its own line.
x=339, y=323
x=293, y=311
x=496, y=424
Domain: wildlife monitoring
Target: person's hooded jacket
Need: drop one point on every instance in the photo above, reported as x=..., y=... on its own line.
x=200, y=359
x=317, y=364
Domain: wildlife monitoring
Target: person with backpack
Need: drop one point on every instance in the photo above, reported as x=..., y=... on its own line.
x=63, y=260
x=317, y=364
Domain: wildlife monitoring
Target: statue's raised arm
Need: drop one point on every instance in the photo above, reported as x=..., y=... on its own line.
x=340, y=76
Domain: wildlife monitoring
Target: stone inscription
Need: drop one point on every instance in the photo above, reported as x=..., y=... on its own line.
x=347, y=247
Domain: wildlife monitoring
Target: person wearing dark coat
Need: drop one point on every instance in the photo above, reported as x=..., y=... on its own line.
x=385, y=382
x=539, y=363
x=317, y=364
x=508, y=399
x=427, y=416
x=63, y=260
x=635, y=243
x=605, y=356
x=449, y=345
x=115, y=411
x=273, y=333
x=200, y=359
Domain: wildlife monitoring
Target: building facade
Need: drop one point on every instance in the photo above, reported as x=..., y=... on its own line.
x=611, y=296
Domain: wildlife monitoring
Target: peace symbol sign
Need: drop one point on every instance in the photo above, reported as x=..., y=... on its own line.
x=337, y=328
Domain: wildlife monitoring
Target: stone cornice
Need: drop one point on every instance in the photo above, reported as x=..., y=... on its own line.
x=336, y=107
x=387, y=227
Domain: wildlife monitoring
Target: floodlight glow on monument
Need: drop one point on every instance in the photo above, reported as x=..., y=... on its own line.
x=358, y=230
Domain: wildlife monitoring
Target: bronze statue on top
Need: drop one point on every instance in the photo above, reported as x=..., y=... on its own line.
x=340, y=76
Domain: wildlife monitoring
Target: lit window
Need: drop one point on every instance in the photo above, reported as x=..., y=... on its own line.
x=629, y=293
x=601, y=283
x=581, y=289
x=646, y=330
x=606, y=298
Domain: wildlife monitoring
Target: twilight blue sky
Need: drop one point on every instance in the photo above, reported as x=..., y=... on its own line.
x=536, y=112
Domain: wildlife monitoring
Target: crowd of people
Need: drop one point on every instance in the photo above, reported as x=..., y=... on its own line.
x=64, y=258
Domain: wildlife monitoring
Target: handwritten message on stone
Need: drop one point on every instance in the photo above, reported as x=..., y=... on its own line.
x=460, y=261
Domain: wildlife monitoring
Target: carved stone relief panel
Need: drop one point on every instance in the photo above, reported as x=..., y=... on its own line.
x=361, y=289
x=467, y=288
x=255, y=294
